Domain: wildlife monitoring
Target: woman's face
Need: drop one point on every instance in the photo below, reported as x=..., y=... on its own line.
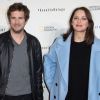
x=79, y=21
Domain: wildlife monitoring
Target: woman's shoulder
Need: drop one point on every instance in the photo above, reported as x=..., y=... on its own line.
x=59, y=39
x=97, y=42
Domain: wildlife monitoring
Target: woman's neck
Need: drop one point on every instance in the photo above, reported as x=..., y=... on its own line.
x=79, y=36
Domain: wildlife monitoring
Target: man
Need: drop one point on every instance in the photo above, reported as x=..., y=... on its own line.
x=20, y=59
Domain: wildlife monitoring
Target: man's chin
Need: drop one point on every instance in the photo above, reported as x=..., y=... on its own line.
x=17, y=31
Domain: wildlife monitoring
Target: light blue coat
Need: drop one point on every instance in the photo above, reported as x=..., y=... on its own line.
x=56, y=66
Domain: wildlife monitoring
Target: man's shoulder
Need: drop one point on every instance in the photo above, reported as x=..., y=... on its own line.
x=4, y=35
x=32, y=38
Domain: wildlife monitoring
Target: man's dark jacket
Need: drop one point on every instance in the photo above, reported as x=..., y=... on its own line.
x=35, y=63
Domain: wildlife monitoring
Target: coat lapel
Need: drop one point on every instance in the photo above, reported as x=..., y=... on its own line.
x=63, y=53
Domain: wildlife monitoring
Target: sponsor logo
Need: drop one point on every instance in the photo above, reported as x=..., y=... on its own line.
x=97, y=27
x=94, y=7
x=51, y=9
x=47, y=28
x=2, y=29
x=45, y=47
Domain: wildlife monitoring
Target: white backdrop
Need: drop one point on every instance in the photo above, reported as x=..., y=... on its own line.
x=49, y=19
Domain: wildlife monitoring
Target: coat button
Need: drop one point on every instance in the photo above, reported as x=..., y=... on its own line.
x=56, y=84
x=54, y=97
x=99, y=94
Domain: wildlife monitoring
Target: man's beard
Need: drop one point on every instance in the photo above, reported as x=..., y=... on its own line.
x=17, y=31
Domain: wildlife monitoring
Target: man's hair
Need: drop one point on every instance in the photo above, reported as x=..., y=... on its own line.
x=18, y=7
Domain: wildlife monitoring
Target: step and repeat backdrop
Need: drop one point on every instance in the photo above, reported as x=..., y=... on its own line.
x=49, y=19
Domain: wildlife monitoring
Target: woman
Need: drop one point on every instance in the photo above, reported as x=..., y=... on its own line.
x=72, y=66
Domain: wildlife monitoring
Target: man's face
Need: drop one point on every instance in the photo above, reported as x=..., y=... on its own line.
x=17, y=21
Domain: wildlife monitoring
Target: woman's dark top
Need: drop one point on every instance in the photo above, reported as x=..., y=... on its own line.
x=79, y=63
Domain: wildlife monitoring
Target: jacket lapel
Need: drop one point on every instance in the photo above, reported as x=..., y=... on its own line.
x=63, y=53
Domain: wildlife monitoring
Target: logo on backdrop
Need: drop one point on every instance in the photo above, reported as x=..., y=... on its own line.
x=94, y=7
x=47, y=28
x=2, y=29
x=96, y=10
x=97, y=27
x=51, y=9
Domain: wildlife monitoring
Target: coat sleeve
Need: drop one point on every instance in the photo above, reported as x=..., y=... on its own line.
x=38, y=71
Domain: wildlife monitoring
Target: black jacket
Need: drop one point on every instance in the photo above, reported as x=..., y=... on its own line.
x=35, y=63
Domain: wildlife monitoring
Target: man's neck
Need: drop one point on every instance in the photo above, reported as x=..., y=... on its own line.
x=18, y=37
